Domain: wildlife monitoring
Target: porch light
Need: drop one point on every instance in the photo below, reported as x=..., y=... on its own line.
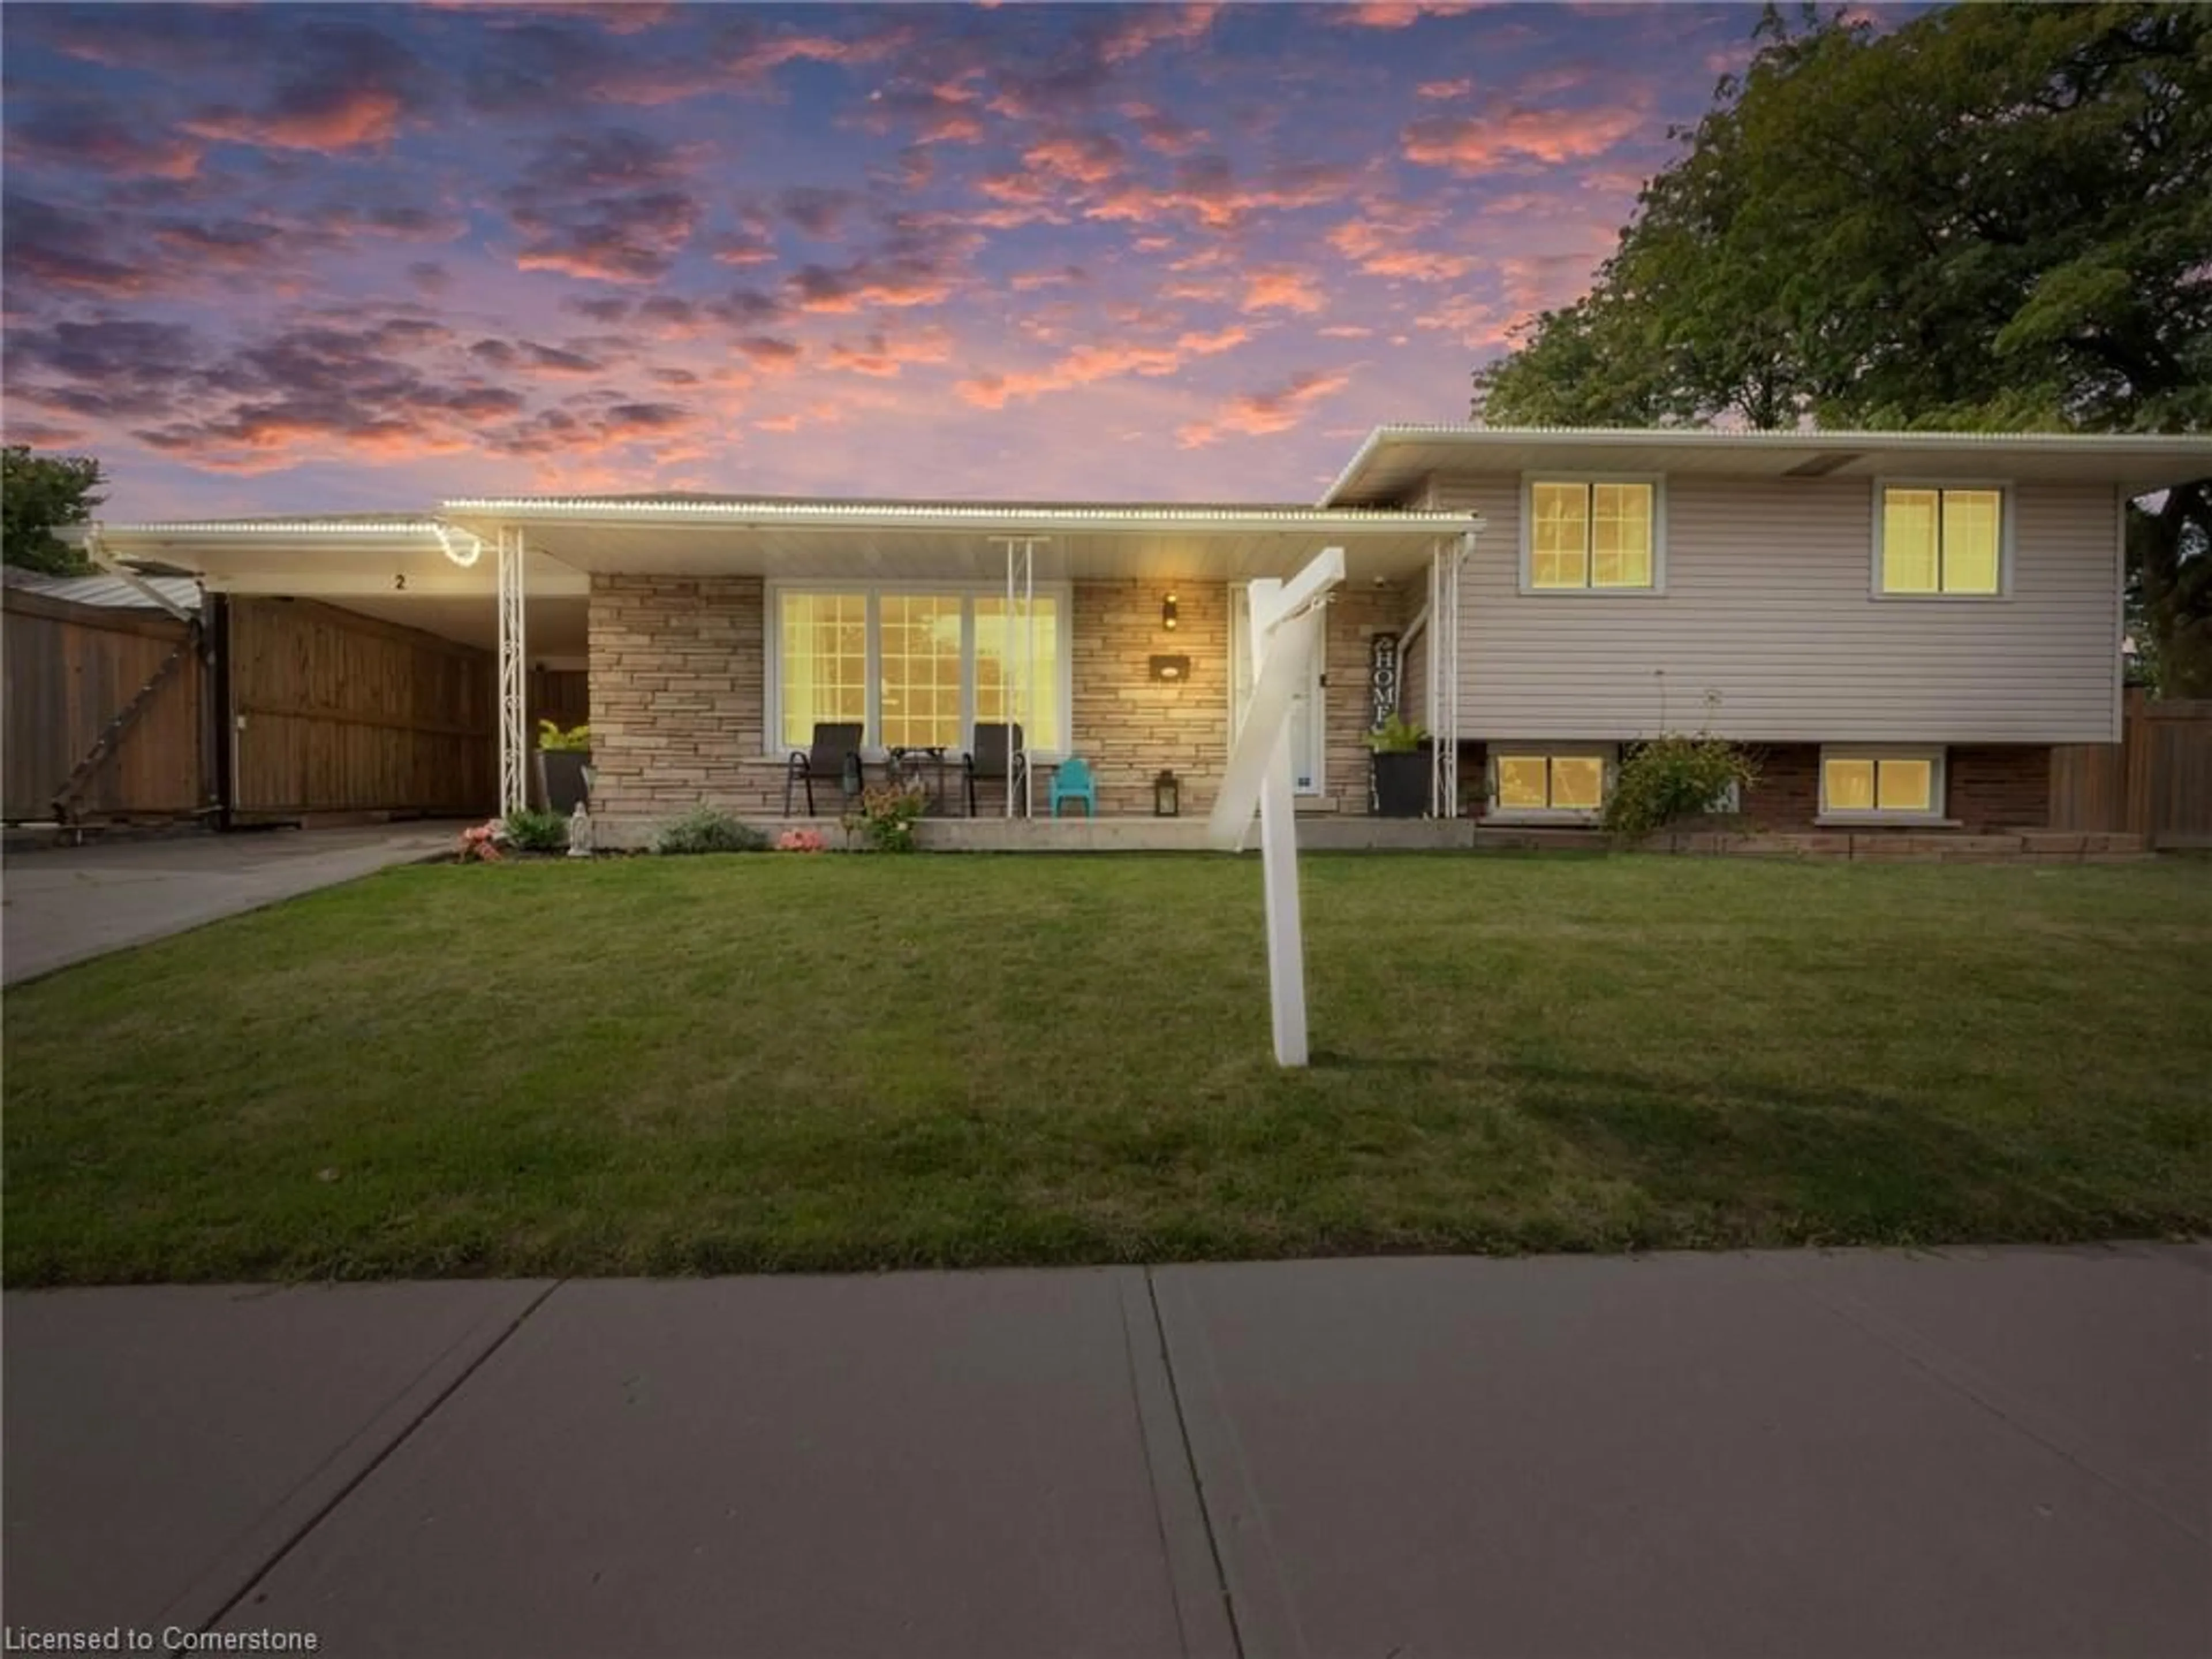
x=1168, y=613
x=1167, y=796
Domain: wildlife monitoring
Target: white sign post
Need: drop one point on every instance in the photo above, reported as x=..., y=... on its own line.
x=1286, y=632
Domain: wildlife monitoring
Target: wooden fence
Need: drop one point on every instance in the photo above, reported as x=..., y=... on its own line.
x=336, y=713
x=2155, y=783
x=72, y=670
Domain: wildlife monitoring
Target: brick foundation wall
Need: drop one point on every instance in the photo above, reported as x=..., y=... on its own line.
x=1356, y=616
x=2000, y=786
x=1987, y=787
x=1788, y=794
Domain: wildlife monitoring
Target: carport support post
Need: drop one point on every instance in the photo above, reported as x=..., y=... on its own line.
x=514, y=679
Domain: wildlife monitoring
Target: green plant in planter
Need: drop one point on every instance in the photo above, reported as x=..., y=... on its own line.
x=1672, y=777
x=1397, y=736
x=887, y=814
x=554, y=741
x=703, y=829
x=532, y=831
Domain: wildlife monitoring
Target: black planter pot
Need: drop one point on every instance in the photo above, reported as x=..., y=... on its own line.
x=1402, y=784
x=560, y=778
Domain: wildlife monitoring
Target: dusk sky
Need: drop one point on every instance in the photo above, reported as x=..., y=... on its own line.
x=264, y=259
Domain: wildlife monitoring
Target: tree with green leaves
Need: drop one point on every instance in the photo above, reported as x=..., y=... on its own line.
x=1994, y=218
x=40, y=494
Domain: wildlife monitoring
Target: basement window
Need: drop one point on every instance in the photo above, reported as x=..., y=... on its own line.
x=1881, y=784
x=1547, y=784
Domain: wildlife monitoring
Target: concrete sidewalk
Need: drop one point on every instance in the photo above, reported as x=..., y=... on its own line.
x=1968, y=1453
x=69, y=904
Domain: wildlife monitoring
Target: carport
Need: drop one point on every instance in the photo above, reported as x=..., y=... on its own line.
x=357, y=660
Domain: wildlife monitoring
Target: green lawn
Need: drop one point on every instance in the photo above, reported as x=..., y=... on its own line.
x=788, y=1062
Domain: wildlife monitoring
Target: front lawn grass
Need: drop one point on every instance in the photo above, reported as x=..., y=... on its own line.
x=782, y=1062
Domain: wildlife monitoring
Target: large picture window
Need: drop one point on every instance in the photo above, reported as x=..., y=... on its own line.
x=1010, y=651
x=916, y=668
x=1938, y=540
x=825, y=662
x=1592, y=534
x=919, y=684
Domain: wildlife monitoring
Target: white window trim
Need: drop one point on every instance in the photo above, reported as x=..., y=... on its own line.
x=1527, y=570
x=1609, y=753
x=2005, y=529
x=1939, y=783
x=1061, y=594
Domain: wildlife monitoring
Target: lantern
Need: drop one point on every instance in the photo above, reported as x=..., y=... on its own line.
x=1167, y=796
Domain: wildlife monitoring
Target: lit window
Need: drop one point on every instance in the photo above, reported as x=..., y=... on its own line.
x=939, y=660
x=1003, y=655
x=1905, y=784
x=825, y=662
x=1590, y=535
x=1524, y=782
x=1941, y=541
x=920, y=672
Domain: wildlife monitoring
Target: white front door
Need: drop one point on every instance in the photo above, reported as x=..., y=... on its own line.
x=1307, y=725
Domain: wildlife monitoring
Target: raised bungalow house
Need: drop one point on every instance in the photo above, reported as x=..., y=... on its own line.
x=1906, y=623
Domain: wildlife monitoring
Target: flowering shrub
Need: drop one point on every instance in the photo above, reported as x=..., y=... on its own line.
x=481, y=844
x=801, y=841
x=887, y=816
x=1673, y=776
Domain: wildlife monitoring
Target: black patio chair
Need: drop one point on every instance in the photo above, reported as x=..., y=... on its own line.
x=997, y=757
x=835, y=754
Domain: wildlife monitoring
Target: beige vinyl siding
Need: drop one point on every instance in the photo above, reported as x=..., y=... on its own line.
x=1769, y=601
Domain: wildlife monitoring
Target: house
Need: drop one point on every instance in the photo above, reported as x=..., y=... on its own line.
x=1906, y=623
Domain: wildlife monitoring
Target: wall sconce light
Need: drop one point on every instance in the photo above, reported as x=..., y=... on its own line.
x=1167, y=796
x=1168, y=615
x=1171, y=671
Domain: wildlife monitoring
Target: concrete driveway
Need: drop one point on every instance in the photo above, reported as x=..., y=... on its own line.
x=1966, y=1453
x=69, y=904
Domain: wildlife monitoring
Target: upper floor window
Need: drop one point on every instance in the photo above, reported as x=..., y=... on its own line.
x=1592, y=534
x=1941, y=540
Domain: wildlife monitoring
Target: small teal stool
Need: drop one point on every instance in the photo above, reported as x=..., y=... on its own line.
x=1072, y=781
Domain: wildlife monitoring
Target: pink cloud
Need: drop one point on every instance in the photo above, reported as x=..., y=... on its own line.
x=1087, y=158
x=1445, y=89
x=359, y=117
x=884, y=357
x=1398, y=14
x=1394, y=240
x=1207, y=188
x=1474, y=142
x=1139, y=28
x=1255, y=414
x=1281, y=289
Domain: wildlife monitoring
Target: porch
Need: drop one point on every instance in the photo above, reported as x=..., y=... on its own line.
x=705, y=639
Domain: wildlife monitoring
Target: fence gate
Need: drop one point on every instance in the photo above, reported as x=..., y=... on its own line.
x=106, y=714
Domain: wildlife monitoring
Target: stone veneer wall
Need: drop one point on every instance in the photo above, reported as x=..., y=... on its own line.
x=676, y=697
x=1127, y=725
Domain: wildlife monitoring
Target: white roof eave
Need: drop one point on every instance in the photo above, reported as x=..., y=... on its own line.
x=989, y=519
x=2118, y=445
